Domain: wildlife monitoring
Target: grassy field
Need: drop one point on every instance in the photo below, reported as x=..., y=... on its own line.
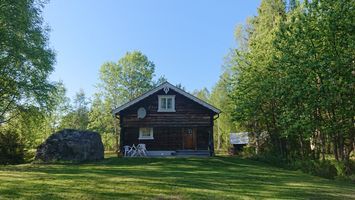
x=166, y=178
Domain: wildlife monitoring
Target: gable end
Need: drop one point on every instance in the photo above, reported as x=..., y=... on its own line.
x=166, y=87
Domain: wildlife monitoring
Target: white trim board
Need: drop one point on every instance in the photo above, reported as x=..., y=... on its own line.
x=160, y=87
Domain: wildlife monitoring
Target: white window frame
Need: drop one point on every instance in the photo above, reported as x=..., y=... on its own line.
x=160, y=109
x=142, y=137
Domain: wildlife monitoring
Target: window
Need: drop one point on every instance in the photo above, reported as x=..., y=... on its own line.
x=145, y=134
x=166, y=103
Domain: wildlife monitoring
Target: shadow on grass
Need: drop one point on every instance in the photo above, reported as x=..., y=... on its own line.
x=166, y=178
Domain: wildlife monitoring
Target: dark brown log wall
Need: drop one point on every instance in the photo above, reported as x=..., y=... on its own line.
x=166, y=138
x=188, y=113
x=202, y=138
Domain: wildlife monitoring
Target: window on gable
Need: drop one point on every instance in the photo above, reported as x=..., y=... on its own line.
x=146, y=134
x=166, y=103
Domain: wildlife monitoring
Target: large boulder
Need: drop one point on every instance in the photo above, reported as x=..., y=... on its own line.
x=71, y=145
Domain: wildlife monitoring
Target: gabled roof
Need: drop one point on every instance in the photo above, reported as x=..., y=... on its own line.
x=164, y=86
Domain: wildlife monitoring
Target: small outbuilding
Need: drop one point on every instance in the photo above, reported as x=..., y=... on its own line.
x=168, y=121
x=239, y=140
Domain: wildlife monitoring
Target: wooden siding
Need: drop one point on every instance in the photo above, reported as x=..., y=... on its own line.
x=202, y=138
x=166, y=138
x=188, y=113
x=168, y=126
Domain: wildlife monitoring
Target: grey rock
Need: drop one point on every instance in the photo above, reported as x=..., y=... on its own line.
x=71, y=145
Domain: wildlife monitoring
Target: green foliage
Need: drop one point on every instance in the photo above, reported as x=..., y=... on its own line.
x=248, y=151
x=61, y=107
x=220, y=98
x=11, y=148
x=33, y=125
x=293, y=80
x=340, y=168
x=120, y=82
x=27, y=97
x=26, y=60
x=131, y=76
x=319, y=168
x=317, y=66
x=78, y=116
x=274, y=160
x=352, y=178
x=253, y=94
x=203, y=94
x=344, y=168
x=102, y=121
x=160, y=81
x=322, y=168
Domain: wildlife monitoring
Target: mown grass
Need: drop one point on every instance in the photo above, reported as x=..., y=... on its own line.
x=166, y=178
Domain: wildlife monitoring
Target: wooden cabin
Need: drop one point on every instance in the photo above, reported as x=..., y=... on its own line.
x=167, y=120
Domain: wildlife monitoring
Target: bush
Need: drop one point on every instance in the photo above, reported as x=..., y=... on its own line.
x=248, y=151
x=325, y=169
x=272, y=160
x=352, y=178
x=11, y=148
x=345, y=170
x=341, y=168
x=29, y=155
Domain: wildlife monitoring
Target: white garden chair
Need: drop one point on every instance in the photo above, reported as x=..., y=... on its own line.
x=127, y=150
x=133, y=151
x=142, y=151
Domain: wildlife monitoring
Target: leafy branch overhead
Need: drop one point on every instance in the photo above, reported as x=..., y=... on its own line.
x=26, y=60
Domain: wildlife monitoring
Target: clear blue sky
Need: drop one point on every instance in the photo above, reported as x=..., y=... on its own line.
x=186, y=39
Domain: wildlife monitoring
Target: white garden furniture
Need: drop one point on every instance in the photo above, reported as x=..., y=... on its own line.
x=135, y=151
x=142, y=151
x=127, y=150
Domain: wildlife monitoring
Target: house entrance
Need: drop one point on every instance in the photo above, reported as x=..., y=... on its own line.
x=189, y=138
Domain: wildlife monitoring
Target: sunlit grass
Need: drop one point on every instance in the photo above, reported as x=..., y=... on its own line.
x=166, y=178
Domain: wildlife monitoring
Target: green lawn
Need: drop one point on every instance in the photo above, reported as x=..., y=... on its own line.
x=166, y=178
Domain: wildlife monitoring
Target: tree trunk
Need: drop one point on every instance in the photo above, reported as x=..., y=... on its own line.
x=341, y=147
x=256, y=138
x=335, y=148
x=280, y=147
x=256, y=144
x=302, y=146
x=316, y=151
x=328, y=149
x=322, y=140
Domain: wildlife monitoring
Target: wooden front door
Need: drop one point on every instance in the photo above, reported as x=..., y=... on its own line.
x=189, y=137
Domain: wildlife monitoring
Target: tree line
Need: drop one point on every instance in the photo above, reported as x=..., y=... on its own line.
x=293, y=79
x=290, y=83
